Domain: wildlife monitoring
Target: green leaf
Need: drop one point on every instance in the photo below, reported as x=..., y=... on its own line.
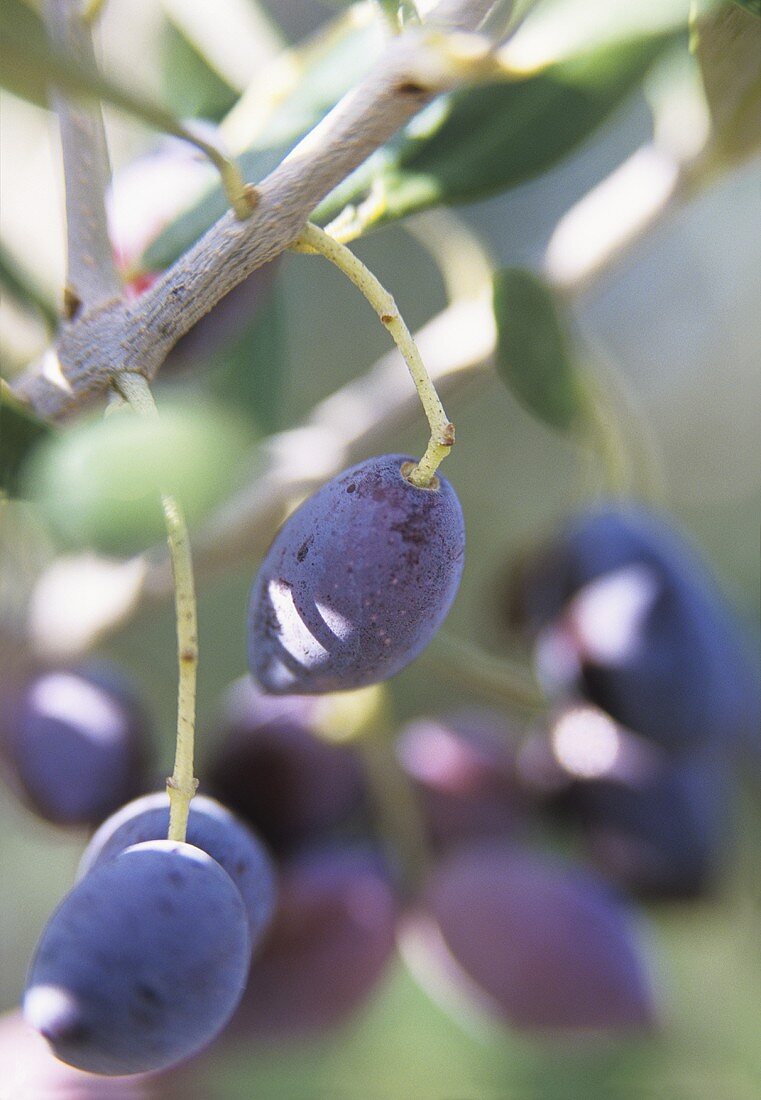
x=486, y=139
x=249, y=372
x=535, y=356
x=192, y=88
x=19, y=22
x=728, y=47
x=16, y=282
x=19, y=434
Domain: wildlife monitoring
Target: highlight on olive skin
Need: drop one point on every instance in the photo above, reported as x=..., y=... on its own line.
x=74, y=741
x=357, y=581
x=142, y=963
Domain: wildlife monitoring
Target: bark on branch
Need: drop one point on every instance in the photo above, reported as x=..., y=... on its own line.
x=119, y=336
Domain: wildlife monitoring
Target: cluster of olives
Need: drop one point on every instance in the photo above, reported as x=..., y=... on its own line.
x=283, y=909
x=656, y=697
x=146, y=959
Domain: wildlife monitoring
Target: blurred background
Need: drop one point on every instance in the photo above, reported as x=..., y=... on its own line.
x=677, y=317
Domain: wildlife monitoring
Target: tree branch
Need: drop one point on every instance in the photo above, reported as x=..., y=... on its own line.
x=91, y=277
x=121, y=336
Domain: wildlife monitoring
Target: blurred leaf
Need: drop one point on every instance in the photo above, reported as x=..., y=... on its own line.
x=98, y=484
x=19, y=22
x=534, y=352
x=753, y=6
x=555, y=30
x=249, y=372
x=728, y=47
x=234, y=37
x=483, y=140
x=19, y=433
x=23, y=289
x=192, y=88
x=30, y=65
x=327, y=67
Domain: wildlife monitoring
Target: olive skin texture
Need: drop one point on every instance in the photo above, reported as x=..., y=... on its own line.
x=142, y=963
x=357, y=581
x=213, y=829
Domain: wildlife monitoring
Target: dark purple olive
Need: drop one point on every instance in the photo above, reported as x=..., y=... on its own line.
x=464, y=771
x=357, y=581
x=272, y=768
x=623, y=611
x=542, y=945
x=74, y=742
x=143, y=962
x=656, y=824
x=331, y=942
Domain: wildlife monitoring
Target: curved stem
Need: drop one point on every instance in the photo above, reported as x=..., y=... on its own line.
x=314, y=239
x=182, y=784
x=606, y=437
x=397, y=810
x=363, y=719
x=502, y=679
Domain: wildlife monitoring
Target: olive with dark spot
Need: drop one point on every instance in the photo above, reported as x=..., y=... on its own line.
x=357, y=581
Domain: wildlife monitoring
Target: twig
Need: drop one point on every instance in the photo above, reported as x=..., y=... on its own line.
x=91, y=277
x=182, y=784
x=137, y=337
x=499, y=678
x=314, y=239
x=458, y=346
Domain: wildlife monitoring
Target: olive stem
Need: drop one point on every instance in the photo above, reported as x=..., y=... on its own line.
x=363, y=720
x=504, y=680
x=182, y=784
x=314, y=239
x=395, y=806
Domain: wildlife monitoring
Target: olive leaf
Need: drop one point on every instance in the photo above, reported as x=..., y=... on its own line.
x=20, y=432
x=535, y=356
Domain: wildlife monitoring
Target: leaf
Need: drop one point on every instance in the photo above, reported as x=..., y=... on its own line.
x=753, y=6
x=192, y=88
x=728, y=47
x=534, y=350
x=235, y=37
x=20, y=286
x=19, y=433
x=249, y=373
x=19, y=22
x=486, y=139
